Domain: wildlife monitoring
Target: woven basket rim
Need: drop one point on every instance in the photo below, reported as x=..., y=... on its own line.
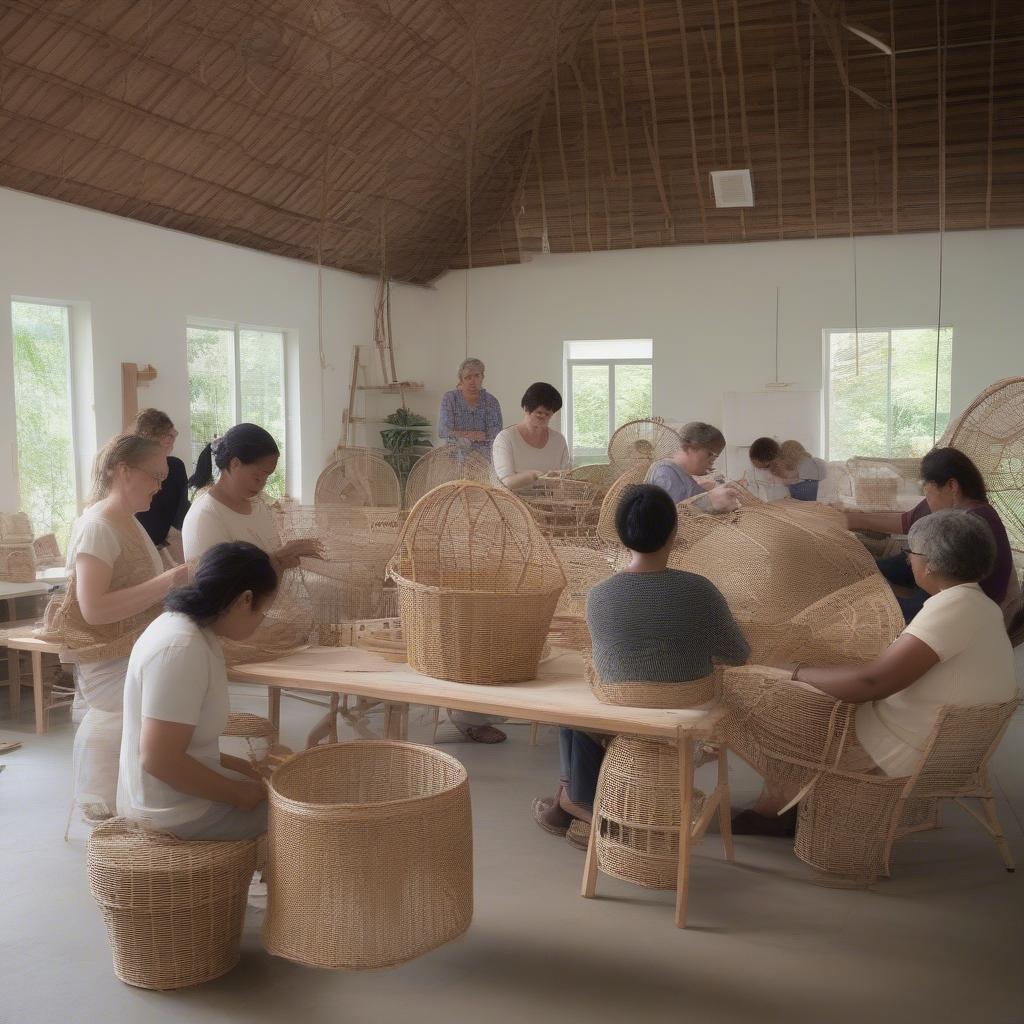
x=438, y=755
x=427, y=588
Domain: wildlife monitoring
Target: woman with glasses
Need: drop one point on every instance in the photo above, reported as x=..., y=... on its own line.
x=950, y=481
x=955, y=652
x=166, y=513
x=700, y=445
x=523, y=453
x=116, y=587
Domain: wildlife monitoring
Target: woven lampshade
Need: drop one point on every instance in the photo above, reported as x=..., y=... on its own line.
x=370, y=855
x=641, y=441
x=444, y=464
x=359, y=477
x=478, y=583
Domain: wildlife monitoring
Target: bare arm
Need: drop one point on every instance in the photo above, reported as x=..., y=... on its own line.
x=879, y=522
x=900, y=665
x=163, y=747
x=517, y=481
x=100, y=605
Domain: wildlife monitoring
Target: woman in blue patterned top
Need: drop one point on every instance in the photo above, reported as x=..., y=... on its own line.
x=470, y=416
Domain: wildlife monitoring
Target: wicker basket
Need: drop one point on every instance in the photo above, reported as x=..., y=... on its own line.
x=371, y=855
x=646, y=694
x=636, y=812
x=477, y=584
x=174, y=911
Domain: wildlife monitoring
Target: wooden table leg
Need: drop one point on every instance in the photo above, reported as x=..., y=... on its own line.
x=274, y=706
x=685, y=827
x=725, y=802
x=589, y=887
x=37, y=691
x=14, y=682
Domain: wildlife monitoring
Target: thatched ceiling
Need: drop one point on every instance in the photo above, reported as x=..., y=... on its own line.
x=360, y=131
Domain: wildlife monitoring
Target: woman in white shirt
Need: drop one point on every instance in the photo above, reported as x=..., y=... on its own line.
x=956, y=651
x=232, y=509
x=116, y=583
x=525, y=452
x=173, y=777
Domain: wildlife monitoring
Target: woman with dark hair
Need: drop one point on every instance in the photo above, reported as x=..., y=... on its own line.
x=166, y=513
x=173, y=777
x=647, y=624
x=950, y=480
x=232, y=509
x=525, y=452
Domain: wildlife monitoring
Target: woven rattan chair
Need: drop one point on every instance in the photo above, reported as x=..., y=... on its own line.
x=370, y=855
x=174, y=911
x=359, y=477
x=991, y=432
x=849, y=822
x=643, y=441
x=444, y=464
x=478, y=584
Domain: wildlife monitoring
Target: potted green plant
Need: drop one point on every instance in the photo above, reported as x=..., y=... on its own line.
x=405, y=440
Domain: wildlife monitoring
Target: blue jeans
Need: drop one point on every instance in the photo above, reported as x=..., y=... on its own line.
x=580, y=758
x=896, y=569
x=804, y=490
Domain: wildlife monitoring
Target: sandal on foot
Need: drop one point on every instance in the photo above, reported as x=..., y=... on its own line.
x=483, y=734
x=549, y=816
x=578, y=834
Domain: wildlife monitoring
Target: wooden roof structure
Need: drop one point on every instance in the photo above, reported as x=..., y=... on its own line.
x=406, y=137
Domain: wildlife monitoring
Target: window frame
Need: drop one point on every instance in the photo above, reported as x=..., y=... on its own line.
x=826, y=344
x=610, y=365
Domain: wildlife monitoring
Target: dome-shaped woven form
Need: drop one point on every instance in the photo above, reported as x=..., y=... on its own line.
x=636, y=812
x=174, y=911
x=641, y=440
x=601, y=474
x=991, y=433
x=288, y=625
x=800, y=586
x=634, y=474
x=478, y=583
x=444, y=464
x=359, y=477
x=370, y=855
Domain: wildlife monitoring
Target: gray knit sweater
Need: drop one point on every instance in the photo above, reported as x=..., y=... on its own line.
x=661, y=627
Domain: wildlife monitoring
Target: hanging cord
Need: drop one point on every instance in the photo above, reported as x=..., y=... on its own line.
x=470, y=141
x=940, y=28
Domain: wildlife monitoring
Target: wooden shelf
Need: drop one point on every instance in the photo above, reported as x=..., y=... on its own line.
x=392, y=389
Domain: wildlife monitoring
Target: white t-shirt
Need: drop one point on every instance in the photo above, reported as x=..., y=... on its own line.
x=209, y=522
x=93, y=534
x=176, y=673
x=512, y=455
x=965, y=629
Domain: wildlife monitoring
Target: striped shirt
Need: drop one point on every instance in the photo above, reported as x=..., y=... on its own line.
x=457, y=414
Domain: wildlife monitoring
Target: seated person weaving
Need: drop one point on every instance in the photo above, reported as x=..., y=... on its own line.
x=956, y=651
x=648, y=624
x=173, y=777
x=791, y=464
x=700, y=444
x=524, y=452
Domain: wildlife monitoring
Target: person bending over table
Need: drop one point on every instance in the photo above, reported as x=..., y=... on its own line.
x=233, y=509
x=648, y=624
x=470, y=416
x=525, y=452
x=173, y=777
x=166, y=513
x=956, y=651
x=700, y=444
x=950, y=480
x=791, y=464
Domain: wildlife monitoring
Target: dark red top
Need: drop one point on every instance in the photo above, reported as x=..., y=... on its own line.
x=998, y=580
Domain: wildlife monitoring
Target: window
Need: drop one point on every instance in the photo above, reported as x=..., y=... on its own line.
x=881, y=394
x=608, y=383
x=236, y=375
x=43, y=414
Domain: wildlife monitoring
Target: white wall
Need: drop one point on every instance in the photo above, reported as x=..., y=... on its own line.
x=711, y=311
x=134, y=286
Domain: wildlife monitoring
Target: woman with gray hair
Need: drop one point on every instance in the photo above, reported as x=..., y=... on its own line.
x=469, y=415
x=700, y=445
x=956, y=651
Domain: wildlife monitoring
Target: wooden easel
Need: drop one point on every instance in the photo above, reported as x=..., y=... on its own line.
x=133, y=377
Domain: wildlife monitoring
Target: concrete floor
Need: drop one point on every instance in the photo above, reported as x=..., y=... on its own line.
x=940, y=941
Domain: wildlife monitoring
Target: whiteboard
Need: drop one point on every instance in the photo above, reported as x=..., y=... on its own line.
x=783, y=415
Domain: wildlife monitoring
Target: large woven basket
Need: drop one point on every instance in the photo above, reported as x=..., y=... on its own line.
x=371, y=855
x=477, y=585
x=174, y=911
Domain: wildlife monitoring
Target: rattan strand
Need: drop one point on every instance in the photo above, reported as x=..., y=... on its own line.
x=636, y=812
x=371, y=855
x=174, y=911
x=478, y=583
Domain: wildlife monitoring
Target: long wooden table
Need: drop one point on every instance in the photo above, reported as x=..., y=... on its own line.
x=559, y=696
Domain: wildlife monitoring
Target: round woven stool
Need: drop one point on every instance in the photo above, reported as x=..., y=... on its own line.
x=645, y=694
x=174, y=910
x=636, y=812
x=371, y=855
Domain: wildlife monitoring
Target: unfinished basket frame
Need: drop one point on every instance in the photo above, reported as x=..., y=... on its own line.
x=644, y=441
x=360, y=478
x=443, y=465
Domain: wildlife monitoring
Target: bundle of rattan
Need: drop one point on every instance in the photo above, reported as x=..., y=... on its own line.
x=478, y=583
x=636, y=812
x=288, y=625
x=174, y=911
x=359, y=477
x=443, y=465
x=371, y=855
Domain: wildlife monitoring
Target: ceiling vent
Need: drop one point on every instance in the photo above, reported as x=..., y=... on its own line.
x=732, y=188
